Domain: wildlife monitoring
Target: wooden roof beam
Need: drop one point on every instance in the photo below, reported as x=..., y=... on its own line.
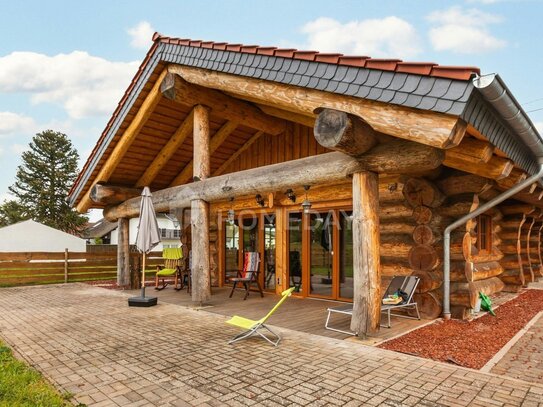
x=517, y=175
x=422, y=126
x=167, y=151
x=126, y=139
x=496, y=168
x=306, y=120
x=472, y=150
x=218, y=138
x=173, y=87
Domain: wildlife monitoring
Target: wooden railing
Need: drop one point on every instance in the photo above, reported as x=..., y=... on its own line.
x=26, y=268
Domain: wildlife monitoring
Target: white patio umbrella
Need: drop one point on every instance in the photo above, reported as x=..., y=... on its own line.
x=148, y=235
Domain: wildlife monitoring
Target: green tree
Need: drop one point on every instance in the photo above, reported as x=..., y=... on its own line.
x=12, y=212
x=43, y=181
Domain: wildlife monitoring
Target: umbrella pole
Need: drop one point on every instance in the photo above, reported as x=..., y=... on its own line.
x=143, y=278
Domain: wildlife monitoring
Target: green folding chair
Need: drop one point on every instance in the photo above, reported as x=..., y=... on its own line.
x=173, y=267
x=255, y=327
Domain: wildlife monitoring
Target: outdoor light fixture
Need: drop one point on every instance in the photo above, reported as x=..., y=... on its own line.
x=231, y=214
x=306, y=205
x=290, y=195
x=259, y=200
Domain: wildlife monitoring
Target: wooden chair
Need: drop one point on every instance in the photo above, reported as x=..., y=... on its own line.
x=173, y=267
x=249, y=274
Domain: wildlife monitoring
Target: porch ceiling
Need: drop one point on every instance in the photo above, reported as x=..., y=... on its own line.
x=163, y=122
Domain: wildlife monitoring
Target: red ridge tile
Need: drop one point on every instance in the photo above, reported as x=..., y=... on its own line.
x=285, y=52
x=266, y=50
x=220, y=45
x=328, y=58
x=455, y=72
x=418, y=68
x=382, y=64
x=305, y=55
x=352, y=60
x=207, y=44
x=234, y=47
x=250, y=49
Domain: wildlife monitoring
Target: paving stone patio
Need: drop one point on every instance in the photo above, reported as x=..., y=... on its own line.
x=87, y=341
x=525, y=358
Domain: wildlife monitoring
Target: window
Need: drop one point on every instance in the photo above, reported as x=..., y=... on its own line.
x=162, y=232
x=176, y=233
x=484, y=233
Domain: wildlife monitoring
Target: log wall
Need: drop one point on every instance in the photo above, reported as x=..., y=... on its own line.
x=296, y=142
x=413, y=215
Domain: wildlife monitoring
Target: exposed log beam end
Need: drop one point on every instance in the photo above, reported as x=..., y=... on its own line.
x=112, y=194
x=340, y=131
x=174, y=88
x=496, y=168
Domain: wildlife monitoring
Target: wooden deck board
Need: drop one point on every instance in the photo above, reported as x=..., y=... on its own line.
x=299, y=314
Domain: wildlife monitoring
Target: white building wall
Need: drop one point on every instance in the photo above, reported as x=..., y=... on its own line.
x=163, y=223
x=31, y=236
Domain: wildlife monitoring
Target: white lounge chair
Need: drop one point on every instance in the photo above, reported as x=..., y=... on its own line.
x=406, y=284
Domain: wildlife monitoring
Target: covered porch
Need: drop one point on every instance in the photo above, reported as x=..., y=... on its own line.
x=300, y=314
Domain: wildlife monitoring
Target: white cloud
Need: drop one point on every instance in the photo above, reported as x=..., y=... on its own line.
x=463, y=31
x=19, y=148
x=387, y=37
x=141, y=34
x=13, y=123
x=83, y=84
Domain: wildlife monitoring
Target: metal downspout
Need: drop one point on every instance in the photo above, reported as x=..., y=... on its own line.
x=483, y=208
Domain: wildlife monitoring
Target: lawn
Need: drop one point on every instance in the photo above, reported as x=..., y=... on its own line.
x=20, y=385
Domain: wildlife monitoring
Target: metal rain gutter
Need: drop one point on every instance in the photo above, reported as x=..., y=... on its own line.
x=500, y=98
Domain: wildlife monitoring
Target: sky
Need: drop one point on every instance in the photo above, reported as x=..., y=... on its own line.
x=64, y=65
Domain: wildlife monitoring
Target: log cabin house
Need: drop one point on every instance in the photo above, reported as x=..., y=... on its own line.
x=342, y=171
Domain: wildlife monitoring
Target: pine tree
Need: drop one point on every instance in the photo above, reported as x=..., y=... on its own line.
x=12, y=212
x=43, y=181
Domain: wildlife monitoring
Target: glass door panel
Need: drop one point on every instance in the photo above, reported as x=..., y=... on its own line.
x=321, y=230
x=346, y=254
x=231, y=250
x=250, y=234
x=269, y=252
x=295, y=250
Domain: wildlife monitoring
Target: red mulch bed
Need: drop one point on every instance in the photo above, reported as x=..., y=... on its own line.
x=470, y=344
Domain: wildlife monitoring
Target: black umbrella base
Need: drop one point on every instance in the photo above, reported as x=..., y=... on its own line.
x=142, y=301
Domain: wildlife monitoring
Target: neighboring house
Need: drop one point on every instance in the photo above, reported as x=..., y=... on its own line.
x=107, y=231
x=31, y=236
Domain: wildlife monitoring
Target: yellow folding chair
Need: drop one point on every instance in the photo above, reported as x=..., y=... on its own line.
x=254, y=327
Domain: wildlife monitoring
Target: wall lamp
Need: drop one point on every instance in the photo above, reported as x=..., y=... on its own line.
x=290, y=195
x=259, y=200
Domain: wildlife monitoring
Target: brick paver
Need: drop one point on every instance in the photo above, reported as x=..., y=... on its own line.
x=87, y=341
x=525, y=359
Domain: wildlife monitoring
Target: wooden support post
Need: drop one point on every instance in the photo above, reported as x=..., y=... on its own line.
x=123, y=253
x=201, y=287
x=66, y=265
x=366, y=260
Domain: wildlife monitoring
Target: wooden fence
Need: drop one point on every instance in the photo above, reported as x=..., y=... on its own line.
x=27, y=268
